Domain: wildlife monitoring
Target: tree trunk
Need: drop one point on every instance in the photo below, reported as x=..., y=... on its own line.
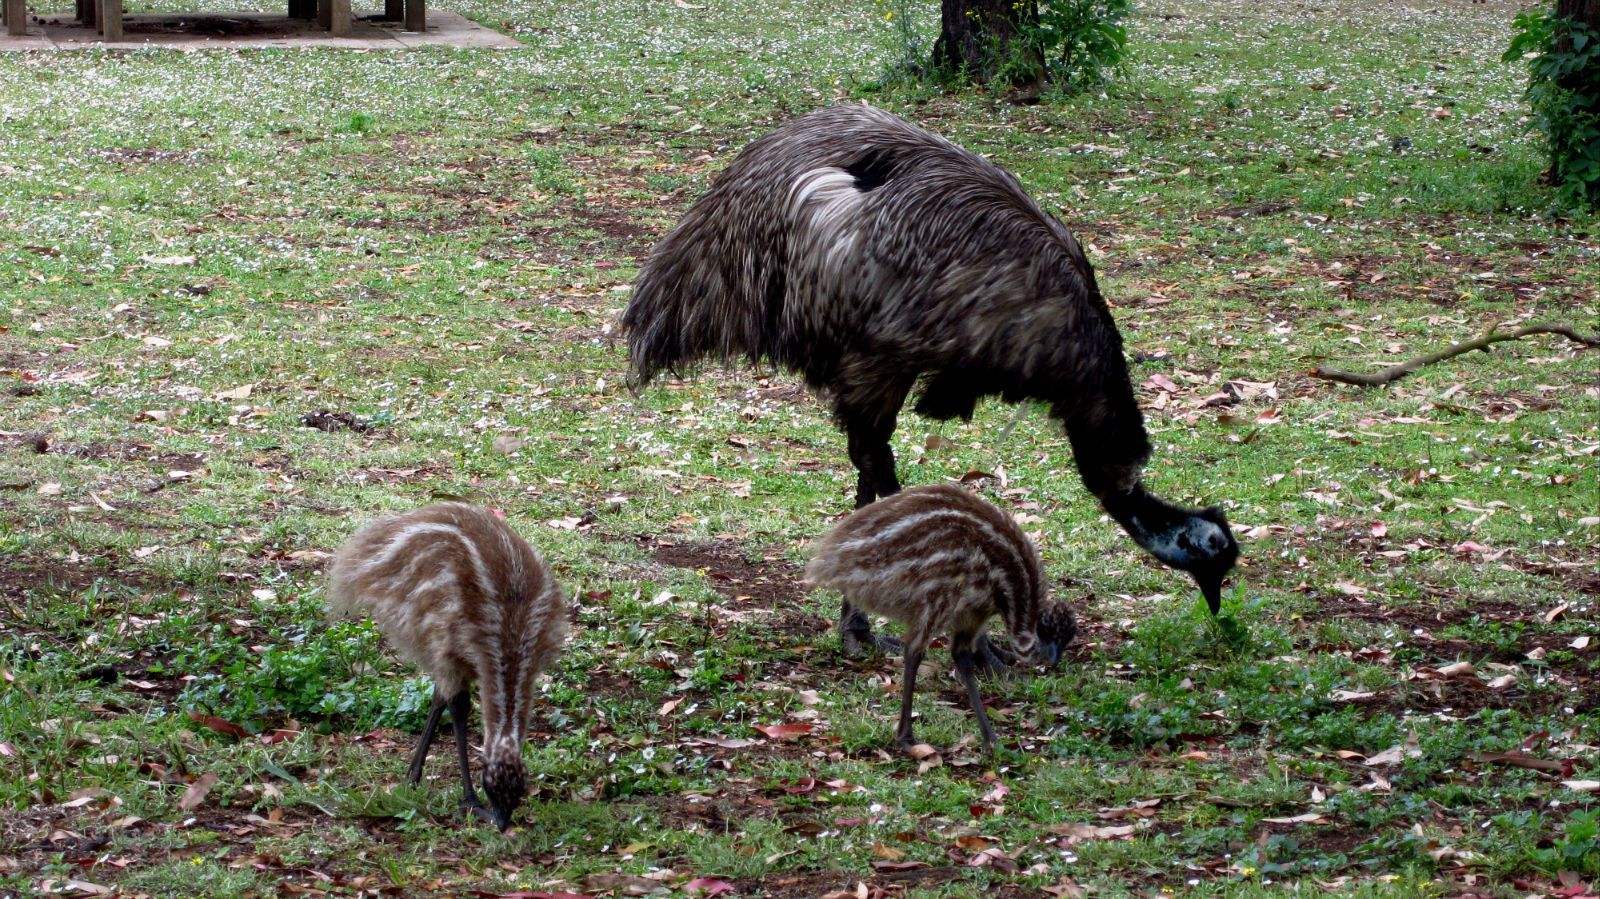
x=979, y=39
x=1585, y=11
x=1584, y=87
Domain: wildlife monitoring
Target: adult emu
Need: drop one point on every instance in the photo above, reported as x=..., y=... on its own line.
x=870, y=256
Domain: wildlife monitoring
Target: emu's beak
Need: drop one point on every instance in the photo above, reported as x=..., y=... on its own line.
x=1211, y=589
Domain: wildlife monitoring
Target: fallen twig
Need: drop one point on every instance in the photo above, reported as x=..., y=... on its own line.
x=1396, y=372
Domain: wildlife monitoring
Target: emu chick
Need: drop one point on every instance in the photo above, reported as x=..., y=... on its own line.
x=457, y=592
x=942, y=560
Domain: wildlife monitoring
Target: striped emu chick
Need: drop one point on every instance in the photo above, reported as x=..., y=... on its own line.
x=942, y=560
x=459, y=594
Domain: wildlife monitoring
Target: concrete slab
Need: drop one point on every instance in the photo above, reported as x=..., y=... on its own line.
x=253, y=30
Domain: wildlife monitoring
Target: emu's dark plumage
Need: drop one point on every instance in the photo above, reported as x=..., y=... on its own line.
x=873, y=257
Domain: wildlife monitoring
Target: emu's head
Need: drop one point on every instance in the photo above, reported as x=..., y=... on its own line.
x=1057, y=627
x=1196, y=541
x=1202, y=544
x=505, y=782
x=1053, y=629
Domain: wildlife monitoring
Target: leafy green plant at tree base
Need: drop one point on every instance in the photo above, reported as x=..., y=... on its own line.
x=1071, y=44
x=1564, y=91
x=1081, y=41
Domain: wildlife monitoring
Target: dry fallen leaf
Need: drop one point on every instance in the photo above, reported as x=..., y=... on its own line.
x=83, y=797
x=620, y=884
x=220, y=725
x=196, y=793
x=1394, y=755
x=76, y=888
x=887, y=853
x=785, y=731
x=1524, y=760
x=708, y=886
x=1351, y=695
x=736, y=743
x=1306, y=818
x=1066, y=889
x=1139, y=808
x=1078, y=832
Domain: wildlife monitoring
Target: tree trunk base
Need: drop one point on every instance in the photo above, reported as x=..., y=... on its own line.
x=980, y=39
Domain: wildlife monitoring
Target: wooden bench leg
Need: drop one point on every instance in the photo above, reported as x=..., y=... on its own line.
x=109, y=16
x=88, y=14
x=16, y=17
x=394, y=10
x=324, y=13
x=339, y=18
x=302, y=9
x=416, y=15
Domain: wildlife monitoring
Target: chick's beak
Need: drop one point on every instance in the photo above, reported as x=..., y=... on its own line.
x=1049, y=651
x=501, y=818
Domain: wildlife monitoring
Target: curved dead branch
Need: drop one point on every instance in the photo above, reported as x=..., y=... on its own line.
x=1396, y=372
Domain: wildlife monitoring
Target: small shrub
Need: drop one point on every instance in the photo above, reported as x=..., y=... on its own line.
x=1072, y=44
x=909, y=47
x=359, y=123
x=318, y=675
x=1564, y=91
x=1577, y=849
x=1082, y=42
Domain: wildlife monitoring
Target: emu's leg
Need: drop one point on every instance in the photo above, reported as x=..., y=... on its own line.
x=418, y=757
x=961, y=650
x=460, y=712
x=875, y=479
x=908, y=690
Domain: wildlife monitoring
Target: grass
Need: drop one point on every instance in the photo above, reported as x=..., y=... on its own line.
x=196, y=251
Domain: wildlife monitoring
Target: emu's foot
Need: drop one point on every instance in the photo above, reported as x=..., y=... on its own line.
x=911, y=749
x=470, y=803
x=860, y=644
x=995, y=658
x=481, y=812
